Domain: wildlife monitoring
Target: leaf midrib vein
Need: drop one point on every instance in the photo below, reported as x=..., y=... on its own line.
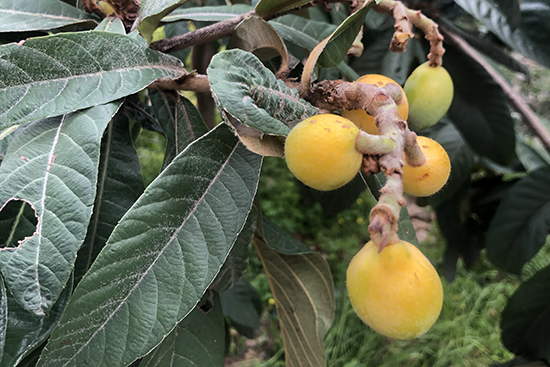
x=42, y=15
x=168, y=243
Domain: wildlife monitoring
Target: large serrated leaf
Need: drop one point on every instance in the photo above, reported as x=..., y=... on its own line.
x=268, y=8
x=529, y=38
x=180, y=120
x=197, y=341
x=51, y=164
x=119, y=185
x=161, y=257
x=521, y=223
x=28, y=15
x=303, y=290
x=249, y=91
x=207, y=13
x=27, y=331
x=479, y=109
x=526, y=319
x=151, y=13
x=53, y=75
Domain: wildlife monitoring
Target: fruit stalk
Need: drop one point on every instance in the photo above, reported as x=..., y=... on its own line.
x=402, y=26
x=413, y=154
x=380, y=103
x=373, y=144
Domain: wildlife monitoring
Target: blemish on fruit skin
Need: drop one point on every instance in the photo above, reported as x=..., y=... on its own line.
x=426, y=175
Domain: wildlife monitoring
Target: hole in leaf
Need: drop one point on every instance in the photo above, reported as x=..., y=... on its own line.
x=17, y=221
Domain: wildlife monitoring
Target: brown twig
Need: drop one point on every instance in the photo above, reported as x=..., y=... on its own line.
x=529, y=117
x=200, y=36
x=402, y=26
x=378, y=102
x=403, y=15
x=189, y=81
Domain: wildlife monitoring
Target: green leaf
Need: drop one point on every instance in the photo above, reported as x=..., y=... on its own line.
x=51, y=164
x=461, y=156
x=151, y=13
x=257, y=36
x=526, y=318
x=23, y=16
x=27, y=331
x=72, y=71
x=303, y=291
x=494, y=51
x=510, y=9
x=268, y=8
x=180, y=120
x=397, y=65
x=161, y=258
x=529, y=38
x=280, y=240
x=521, y=223
x=119, y=185
x=197, y=341
x=479, y=109
x=243, y=306
x=307, y=34
x=207, y=13
x=376, y=48
x=334, y=201
x=531, y=152
x=176, y=29
x=17, y=221
x=457, y=239
x=302, y=32
x=236, y=263
x=248, y=91
x=111, y=25
x=6, y=137
x=342, y=38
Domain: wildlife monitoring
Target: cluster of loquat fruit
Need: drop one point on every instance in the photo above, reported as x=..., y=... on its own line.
x=396, y=291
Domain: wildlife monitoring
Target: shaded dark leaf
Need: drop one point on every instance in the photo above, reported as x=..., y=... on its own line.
x=526, y=319
x=243, y=306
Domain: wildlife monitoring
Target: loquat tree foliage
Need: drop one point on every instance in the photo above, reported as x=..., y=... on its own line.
x=99, y=270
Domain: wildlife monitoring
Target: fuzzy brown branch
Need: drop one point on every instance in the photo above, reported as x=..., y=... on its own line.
x=413, y=154
x=380, y=103
x=189, y=81
x=402, y=26
x=516, y=101
x=200, y=36
x=403, y=18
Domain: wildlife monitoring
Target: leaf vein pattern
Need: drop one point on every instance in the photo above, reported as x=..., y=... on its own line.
x=160, y=253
